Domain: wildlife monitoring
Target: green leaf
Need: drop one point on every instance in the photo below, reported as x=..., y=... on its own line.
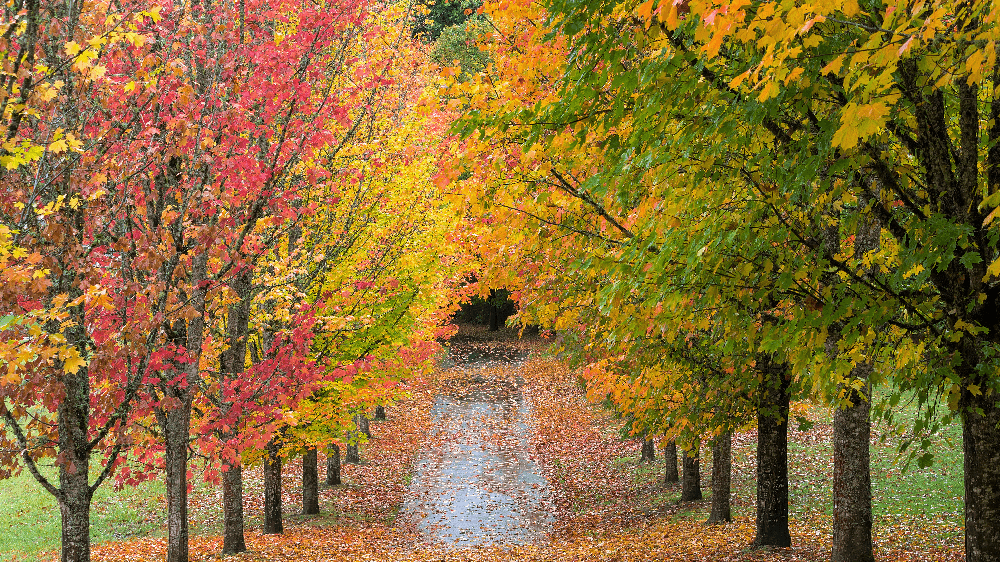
x=925, y=460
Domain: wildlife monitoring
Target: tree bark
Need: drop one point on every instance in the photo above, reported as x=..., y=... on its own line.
x=272, y=490
x=852, y=493
x=772, y=455
x=722, y=468
x=233, y=539
x=670, y=474
x=852, y=488
x=310, y=482
x=74, y=511
x=233, y=361
x=74, y=494
x=361, y=421
x=981, y=443
x=380, y=413
x=176, y=430
x=175, y=418
x=691, y=485
x=352, y=455
x=648, y=451
x=333, y=465
x=494, y=318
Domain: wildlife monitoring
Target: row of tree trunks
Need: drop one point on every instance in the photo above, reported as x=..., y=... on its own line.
x=722, y=466
x=273, y=509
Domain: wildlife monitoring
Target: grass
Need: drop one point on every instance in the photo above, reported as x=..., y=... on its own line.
x=30, y=526
x=906, y=500
x=912, y=506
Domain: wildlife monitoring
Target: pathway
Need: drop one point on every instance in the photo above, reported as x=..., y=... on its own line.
x=477, y=485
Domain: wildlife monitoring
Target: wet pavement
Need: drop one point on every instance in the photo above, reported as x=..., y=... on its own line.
x=476, y=484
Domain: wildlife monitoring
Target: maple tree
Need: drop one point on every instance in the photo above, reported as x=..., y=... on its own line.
x=76, y=377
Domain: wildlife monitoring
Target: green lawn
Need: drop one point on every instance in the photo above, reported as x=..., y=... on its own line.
x=29, y=516
x=909, y=503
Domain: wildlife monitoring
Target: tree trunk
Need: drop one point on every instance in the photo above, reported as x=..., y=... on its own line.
x=74, y=504
x=981, y=443
x=380, y=413
x=852, y=488
x=648, y=451
x=352, y=455
x=670, y=475
x=722, y=468
x=852, y=493
x=691, y=485
x=333, y=465
x=310, y=482
x=74, y=510
x=272, y=489
x=233, y=540
x=233, y=361
x=772, y=455
x=494, y=318
x=361, y=421
x=176, y=430
x=74, y=494
x=175, y=422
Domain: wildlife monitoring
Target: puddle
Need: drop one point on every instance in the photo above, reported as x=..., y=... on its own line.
x=476, y=485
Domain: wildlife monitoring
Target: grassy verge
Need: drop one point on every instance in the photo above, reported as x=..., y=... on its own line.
x=29, y=516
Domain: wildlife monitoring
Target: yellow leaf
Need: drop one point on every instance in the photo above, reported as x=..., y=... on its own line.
x=73, y=362
x=58, y=146
x=769, y=91
x=850, y=8
x=993, y=270
x=858, y=122
x=834, y=66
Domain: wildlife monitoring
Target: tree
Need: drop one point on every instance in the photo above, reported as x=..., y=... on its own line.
x=78, y=358
x=722, y=466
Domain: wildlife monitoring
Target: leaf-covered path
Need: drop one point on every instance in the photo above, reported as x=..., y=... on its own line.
x=476, y=483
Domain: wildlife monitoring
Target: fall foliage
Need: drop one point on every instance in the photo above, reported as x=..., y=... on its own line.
x=230, y=231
